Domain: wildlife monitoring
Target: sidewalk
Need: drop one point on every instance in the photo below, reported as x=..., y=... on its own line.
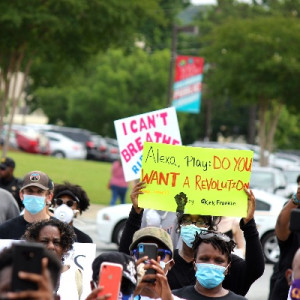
x=91, y=212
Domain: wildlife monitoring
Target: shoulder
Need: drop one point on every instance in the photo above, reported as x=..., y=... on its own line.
x=184, y=291
x=233, y=296
x=6, y=194
x=81, y=236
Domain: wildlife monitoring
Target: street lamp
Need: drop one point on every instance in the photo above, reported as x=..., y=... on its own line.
x=188, y=29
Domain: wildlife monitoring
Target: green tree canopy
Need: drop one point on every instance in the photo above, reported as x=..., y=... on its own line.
x=110, y=87
x=256, y=60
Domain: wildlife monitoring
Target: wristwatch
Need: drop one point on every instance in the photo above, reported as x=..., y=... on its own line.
x=295, y=200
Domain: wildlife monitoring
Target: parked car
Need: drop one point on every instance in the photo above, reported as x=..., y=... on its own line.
x=284, y=160
x=64, y=147
x=113, y=149
x=30, y=140
x=102, y=146
x=268, y=179
x=291, y=173
x=268, y=206
x=76, y=134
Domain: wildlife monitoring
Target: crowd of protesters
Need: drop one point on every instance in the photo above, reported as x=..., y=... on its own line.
x=193, y=259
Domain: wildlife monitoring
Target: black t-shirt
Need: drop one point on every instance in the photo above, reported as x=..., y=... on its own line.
x=82, y=237
x=13, y=186
x=13, y=228
x=288, y=249
x=182, y=273
x=189, y=293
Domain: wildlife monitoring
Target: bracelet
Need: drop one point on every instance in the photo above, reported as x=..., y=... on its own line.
x=295, y=200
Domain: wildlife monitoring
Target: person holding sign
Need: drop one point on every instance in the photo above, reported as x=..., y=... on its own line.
x=243, y=271
x=212, y=252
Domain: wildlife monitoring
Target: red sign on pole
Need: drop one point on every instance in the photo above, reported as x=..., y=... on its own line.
x=188, y=83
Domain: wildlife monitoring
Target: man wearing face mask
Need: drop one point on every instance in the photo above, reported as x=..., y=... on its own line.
x=154, y=285
x=69, y=200
x=34, y=193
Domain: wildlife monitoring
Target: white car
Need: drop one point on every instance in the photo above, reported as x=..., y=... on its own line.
x=63, y=147
x=111, y=221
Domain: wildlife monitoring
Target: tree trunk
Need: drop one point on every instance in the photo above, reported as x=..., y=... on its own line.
x=252, y=125
x=262, y=110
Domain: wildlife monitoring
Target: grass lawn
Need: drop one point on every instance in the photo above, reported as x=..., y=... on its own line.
x=93, y=176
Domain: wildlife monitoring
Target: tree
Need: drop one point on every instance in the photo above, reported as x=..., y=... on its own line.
x=111, y=86
x=257, y=60
x=61, y=32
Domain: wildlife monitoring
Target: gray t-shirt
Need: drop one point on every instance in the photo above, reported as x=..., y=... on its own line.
x=8, y=206
x=163, y=219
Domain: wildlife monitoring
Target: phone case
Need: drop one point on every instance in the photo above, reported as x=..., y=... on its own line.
x=26, y=257
x=150, y=250
x=110, y=277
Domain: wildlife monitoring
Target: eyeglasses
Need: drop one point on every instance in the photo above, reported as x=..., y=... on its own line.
x=199, y=223
x=59, y=202
x=207, y=234
x=160, y=252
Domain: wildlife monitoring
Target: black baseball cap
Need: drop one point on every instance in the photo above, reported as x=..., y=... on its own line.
x=7, y=162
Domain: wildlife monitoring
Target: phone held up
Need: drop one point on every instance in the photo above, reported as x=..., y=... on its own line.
x=110, y=277
x=150, y=250
x=27, y=257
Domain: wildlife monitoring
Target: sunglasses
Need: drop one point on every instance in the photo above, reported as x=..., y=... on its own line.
x=160, y=252
x=207, y=234
x=59, y=202
x=199, y=223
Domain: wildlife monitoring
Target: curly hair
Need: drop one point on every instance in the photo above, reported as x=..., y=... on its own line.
x=77, y=190
x=225, y=247
x=67, y=235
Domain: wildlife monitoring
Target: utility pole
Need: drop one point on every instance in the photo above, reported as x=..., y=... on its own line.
x=175, y=29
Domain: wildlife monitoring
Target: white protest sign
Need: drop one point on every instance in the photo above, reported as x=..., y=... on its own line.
x=160, y=126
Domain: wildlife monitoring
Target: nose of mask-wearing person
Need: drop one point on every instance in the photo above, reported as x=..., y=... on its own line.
x=64, y=213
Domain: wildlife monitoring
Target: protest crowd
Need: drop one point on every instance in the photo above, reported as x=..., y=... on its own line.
x=185, y=255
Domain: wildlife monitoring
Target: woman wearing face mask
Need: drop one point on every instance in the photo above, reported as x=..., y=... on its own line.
x=212, y=259
x=68, y=201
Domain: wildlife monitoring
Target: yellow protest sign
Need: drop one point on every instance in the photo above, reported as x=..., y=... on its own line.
x=195, y=180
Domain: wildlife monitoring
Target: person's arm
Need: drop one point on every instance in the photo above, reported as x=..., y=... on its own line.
x=283, y=221
x=134, y=220
x=244, y=272
x=45, y=289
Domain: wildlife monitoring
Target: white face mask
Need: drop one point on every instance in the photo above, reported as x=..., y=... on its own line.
x=163, y=264
x=64, y=213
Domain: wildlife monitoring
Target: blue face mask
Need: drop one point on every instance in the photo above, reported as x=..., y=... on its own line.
x=210, y=275
x=188, y=233
x=34, y=204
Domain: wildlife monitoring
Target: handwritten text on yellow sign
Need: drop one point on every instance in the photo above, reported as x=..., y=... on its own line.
x=195, y=180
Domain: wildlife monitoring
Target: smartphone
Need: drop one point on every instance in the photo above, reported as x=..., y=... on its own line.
x=295, y=220
x=150, y=250
x=27, y=257
x=110, y=277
